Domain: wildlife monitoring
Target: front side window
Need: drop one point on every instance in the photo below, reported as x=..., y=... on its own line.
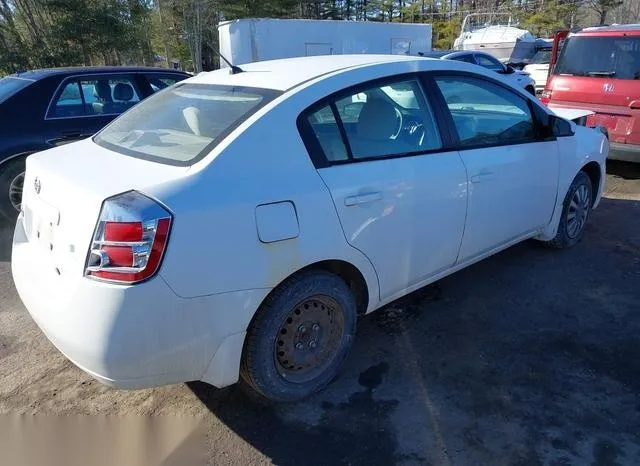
x=485, y=113
x=180, y=125
x=600, y=57
x=378, y=121
x=489, y=63
x=109, y=96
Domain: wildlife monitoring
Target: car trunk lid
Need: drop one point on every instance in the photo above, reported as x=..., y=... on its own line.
x=64, y=189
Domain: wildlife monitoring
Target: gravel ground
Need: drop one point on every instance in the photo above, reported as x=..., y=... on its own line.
x=529, y=357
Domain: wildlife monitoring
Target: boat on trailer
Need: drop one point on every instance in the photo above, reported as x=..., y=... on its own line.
x=497, y=34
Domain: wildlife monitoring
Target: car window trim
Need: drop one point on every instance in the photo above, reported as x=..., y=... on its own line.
x=465, y=74
x=342, y=130
x=79, y=77
x=314, y=148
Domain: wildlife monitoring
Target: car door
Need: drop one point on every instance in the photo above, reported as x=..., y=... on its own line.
x=83, y=105
x=398, y=191
x=512, y=167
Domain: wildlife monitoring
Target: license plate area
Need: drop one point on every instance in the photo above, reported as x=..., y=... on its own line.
x=41, y=221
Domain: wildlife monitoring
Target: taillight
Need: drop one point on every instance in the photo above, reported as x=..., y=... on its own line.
x=130, y=239
x=545, y=97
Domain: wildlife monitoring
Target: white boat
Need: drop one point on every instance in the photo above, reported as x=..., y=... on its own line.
x=497, y=34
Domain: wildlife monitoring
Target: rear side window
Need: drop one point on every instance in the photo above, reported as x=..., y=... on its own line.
x=485, y=113
x=600, y=57
x=375, y=122
x=181, y=124
x=96, y=96
x=10, y=86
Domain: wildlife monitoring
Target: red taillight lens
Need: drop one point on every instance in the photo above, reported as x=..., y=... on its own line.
x=125, y=231
x=131, y=250
x=545, y=97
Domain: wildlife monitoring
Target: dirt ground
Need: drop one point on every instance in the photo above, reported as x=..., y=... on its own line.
x=529, y=357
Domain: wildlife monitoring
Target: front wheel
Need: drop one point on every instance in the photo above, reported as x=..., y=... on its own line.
x=11, y=185
x=299, y=337
x=575, y=212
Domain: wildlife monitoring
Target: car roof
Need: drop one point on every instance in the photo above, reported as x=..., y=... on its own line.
x=615, y=29
x=287, y=73
x=38, y=74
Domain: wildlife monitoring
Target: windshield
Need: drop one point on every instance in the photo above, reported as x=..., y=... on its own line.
x=11, y=85
x=181, y=124
x=542, y=57
x=612, y=57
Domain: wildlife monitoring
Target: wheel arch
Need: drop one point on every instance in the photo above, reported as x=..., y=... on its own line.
x=594, y=172
x=348, y=272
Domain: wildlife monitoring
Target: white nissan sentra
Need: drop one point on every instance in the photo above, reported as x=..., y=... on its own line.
x=233, y=226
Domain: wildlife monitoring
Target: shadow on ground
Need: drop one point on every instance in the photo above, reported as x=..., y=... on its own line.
x=6, y=235
x=626, y=170
x=528, y=357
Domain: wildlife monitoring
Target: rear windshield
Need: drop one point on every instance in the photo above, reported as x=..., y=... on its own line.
x=181, y=124
x=11, y=85
x=602, y=57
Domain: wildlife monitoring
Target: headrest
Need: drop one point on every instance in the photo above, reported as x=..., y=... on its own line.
x=123, y=91
x=102, y=90
x=378, y=120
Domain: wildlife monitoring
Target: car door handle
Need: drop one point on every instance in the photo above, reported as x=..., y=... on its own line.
x=480, y=177
x=634, y=104
x=362, y=198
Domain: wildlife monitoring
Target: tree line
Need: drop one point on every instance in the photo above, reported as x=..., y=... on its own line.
x=53, y=33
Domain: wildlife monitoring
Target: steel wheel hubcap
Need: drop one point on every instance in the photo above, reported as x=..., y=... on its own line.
x=578, y=211
x=309, y=339
x=15, y=191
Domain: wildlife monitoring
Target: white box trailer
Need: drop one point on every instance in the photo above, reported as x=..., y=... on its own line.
x=250, y=40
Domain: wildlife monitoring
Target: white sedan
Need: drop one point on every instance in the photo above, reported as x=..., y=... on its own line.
x=233, y=226
x=508, y=73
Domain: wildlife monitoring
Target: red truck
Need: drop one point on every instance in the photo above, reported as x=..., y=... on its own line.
x=598, y=69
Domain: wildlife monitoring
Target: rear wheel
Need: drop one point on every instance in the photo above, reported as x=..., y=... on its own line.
x=299, y=337
x=11, y=185
x=575, y=212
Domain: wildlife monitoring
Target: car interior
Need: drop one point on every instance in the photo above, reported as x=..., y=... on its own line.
x=376, y=125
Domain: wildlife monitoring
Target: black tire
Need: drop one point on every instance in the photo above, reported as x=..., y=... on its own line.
x=566, y=237
x=8, y=173
x=274, y=334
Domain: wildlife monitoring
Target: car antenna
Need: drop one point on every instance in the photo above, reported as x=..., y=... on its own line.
x=234, y=68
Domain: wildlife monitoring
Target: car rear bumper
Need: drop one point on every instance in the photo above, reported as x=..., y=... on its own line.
x=133, y=336
x=625, y=152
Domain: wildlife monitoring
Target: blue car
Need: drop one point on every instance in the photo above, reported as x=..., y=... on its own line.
x=41, y=109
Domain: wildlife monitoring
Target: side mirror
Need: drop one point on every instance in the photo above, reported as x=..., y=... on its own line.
x=560, y=127
x=509, y=69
